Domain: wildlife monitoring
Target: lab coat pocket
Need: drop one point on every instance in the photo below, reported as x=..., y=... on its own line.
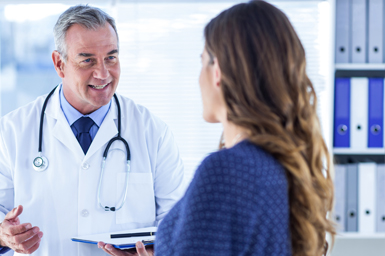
x=140, y=202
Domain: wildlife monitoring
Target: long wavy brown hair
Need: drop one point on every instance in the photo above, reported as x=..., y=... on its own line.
x=267, y=91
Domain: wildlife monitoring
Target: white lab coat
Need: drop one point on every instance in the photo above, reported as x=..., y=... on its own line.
x=62, y=200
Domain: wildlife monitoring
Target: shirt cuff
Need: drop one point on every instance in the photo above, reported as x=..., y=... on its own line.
x=4, y=250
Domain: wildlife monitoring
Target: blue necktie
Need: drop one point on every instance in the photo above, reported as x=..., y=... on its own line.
x=83, y=126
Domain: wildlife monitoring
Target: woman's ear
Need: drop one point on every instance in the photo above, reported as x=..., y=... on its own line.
x=217, y=73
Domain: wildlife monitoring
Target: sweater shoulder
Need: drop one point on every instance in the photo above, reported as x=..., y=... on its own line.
x=244, y=158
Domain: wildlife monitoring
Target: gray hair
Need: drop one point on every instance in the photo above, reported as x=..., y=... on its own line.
x=84, y=15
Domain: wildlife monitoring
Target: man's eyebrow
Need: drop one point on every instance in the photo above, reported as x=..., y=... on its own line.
x=82, y=54
x=113, y=51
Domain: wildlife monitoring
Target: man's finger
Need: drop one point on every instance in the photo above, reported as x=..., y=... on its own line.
x=28, y=245
x=17, y=229
x=14, y=213
x=23, y=237
x=140, y=249
x=33, y=248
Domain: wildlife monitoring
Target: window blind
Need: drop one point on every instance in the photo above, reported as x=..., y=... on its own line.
x=160, y=47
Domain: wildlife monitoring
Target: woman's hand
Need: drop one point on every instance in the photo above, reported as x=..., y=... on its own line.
x=140, y=250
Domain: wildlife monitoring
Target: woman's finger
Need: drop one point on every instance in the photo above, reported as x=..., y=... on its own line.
x=140, y=249
x=108, y=248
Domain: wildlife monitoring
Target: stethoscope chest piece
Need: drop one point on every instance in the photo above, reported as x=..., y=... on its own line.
x=40, y=163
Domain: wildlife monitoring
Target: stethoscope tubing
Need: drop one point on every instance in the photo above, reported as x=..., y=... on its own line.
x=42, y=119
x=118, y=137
x=105, y=153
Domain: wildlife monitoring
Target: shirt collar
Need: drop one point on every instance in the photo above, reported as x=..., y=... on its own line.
x=72, y=114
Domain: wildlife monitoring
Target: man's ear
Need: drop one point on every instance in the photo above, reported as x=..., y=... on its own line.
x=58, y=63
x=217, y=73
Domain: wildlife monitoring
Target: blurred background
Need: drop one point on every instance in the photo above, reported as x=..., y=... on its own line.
x=160, y=47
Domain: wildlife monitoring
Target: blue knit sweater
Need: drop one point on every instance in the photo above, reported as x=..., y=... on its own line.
x=237, y=204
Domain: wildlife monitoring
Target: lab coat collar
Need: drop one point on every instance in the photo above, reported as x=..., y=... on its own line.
x=62, y=131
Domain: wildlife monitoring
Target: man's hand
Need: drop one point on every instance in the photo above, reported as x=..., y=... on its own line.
x=22, y=238
x=140, y=250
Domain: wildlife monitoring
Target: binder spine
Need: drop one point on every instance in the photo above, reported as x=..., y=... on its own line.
x=342, y=113
x=351, y=198
x=375, y=33
x=342, y=31
x=367, y=198
x=340, y=195
x=358, y=31
x=376, y=113
x=359, y=114
x=380, y=216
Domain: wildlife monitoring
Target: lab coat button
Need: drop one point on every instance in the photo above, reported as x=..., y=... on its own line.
x=85, y=213
x=85, y=166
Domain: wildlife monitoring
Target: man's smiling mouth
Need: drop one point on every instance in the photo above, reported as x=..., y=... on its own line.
x=99, y=87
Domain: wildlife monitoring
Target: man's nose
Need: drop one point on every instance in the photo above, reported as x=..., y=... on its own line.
x=101, y=71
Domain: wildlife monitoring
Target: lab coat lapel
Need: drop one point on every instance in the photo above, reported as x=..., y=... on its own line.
x=106, y=131
x=61, y=129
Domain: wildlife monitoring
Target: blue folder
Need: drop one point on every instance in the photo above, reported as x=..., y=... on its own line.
x=342, y=113
x=118, y=246
x=376, y=113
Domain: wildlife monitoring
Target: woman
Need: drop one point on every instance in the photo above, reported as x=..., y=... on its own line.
x=268, y=191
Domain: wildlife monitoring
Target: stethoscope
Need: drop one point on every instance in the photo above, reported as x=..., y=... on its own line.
x=40, y=163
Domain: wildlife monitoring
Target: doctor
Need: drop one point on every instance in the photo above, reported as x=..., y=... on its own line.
x=61, y=191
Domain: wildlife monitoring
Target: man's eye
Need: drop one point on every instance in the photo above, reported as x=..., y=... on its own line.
x=111, y=57
x=87, y=60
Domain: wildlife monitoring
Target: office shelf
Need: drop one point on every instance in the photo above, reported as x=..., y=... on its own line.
x=360, y=66
x=367, y=151
x=354, y=235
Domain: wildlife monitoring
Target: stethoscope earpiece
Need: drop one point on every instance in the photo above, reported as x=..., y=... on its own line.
x=40, y=163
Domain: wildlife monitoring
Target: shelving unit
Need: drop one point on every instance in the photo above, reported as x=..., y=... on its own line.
x=358, y=243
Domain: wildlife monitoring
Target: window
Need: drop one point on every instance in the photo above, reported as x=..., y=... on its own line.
x=160, y=47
